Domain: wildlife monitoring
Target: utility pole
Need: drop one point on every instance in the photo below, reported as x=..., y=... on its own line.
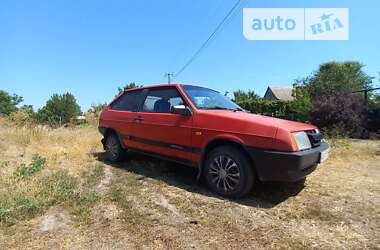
x=366, y=91
x=169, y=75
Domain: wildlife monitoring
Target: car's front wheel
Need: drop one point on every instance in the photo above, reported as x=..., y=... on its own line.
x=228, y=172
x=114, y=151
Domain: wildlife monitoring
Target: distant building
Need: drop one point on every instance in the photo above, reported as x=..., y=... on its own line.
x=279, y=93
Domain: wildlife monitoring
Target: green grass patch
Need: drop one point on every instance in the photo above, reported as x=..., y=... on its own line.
x=123, y=190
x=20, y=207
x=36, y=165
x=35, y=195
x=59, y=187
x=82, y=207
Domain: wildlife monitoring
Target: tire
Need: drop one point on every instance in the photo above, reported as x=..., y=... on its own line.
x=228, y=172
x=114, y=150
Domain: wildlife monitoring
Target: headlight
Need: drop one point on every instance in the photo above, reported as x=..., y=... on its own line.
x=302, y=140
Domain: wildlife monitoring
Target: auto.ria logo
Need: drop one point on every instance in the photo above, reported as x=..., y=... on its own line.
x=295, y=23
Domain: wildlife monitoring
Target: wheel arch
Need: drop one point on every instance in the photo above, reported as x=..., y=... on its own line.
x=108, y=131
x=223, y=141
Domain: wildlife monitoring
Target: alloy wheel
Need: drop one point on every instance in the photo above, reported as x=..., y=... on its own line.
x=225, y=173
x=112, y=147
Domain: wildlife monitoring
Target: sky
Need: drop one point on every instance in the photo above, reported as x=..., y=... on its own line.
x=90, y=48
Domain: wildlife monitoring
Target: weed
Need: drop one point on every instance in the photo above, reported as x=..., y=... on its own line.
x=20, y=207
x=88, y=198
x=60, y=186
x=82, y=207
x=4, y=164
x=5, y=214
x=35, y=166
x=25, y=205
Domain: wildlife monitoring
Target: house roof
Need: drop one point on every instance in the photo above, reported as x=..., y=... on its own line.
x=282, y=93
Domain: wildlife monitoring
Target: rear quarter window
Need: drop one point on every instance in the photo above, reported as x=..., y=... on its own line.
x=129, y=101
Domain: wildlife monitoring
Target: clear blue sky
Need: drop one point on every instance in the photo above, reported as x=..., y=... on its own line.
x=89, y=48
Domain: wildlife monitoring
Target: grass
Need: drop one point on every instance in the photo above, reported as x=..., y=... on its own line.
x=57, y=178
x=36, y=165
x=57, y=188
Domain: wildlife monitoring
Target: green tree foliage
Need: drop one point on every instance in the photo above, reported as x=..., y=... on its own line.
x=333, y=104
x=130, y=85
x=302, y=103
x=60, y=109
x=375, y=101
x=242, y=96
x=335, y=77
x=8, y=103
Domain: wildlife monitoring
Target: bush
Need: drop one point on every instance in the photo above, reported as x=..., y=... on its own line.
x=60, y=109
x=23, y=117
x=344, y=113
x=291, y=110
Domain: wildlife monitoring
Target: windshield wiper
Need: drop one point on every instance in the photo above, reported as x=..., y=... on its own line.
x=224, y=108
x=238, y=109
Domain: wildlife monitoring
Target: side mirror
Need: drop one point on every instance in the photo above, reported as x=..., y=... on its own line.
x=181, y=110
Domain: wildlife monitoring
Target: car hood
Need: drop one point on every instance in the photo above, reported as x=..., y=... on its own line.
x=256, y=119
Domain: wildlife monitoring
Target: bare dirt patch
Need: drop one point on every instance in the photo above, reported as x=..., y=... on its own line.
x=55, y=219
x=105, y=182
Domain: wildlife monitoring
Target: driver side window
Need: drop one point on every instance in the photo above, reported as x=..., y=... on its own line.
x=161, y=100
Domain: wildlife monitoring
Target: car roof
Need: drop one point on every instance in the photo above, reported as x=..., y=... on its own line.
x=166, y=85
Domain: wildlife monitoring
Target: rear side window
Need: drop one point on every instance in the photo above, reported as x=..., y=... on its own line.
x=129, y=101
x=162, y=100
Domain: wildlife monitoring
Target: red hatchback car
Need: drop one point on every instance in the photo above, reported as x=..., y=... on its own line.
x=197, y=126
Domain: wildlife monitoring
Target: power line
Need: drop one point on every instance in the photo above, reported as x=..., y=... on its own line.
x=220, y=25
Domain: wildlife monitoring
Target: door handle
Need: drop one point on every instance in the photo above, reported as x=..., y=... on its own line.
x=139, y=118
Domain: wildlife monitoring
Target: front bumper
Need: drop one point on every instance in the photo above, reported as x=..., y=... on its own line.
x=286, y=166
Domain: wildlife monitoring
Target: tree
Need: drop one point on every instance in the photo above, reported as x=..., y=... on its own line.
x=330, y=91
x=8, y=103
x=240, y=95
x=130, y=85
x=374, y=100
x=343, y=112
x=334, y=77
x=59, y=109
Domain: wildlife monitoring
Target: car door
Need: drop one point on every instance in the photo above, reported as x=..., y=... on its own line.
x=122, y=113
x=159, y=131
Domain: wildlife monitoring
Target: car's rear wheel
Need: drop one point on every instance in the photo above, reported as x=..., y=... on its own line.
x=114, y=151
x=228, y=172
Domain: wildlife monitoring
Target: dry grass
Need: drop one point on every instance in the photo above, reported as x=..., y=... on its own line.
x=76, y=200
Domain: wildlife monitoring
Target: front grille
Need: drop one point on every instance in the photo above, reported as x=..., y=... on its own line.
x=315, y=137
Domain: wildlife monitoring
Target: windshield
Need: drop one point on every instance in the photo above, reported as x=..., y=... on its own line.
x=204, y=98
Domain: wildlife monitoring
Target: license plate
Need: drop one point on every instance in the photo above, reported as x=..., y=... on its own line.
x=324, y=155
